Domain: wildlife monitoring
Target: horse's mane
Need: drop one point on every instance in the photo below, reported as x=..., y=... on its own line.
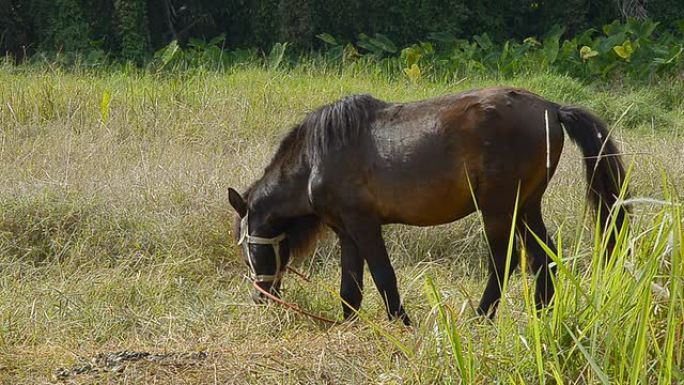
x=338, y=124
x=325, y=129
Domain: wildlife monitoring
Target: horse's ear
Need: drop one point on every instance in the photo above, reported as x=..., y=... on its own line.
x=237, y=202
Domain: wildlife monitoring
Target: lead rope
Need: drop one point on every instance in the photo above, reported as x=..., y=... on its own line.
x=293, y=306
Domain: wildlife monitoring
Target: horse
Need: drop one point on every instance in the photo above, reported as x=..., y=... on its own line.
x=360, y=162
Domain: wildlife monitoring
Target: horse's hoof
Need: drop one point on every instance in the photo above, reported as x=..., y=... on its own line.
x=406, y=320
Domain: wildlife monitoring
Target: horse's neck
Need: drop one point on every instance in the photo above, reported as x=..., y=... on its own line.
x=288, y=194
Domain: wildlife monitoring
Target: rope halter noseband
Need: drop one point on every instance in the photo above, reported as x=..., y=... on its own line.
x=246, y=239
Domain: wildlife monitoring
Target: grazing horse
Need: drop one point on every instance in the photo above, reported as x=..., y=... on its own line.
x=360, y=162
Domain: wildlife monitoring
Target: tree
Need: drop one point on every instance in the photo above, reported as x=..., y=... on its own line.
x=633, y=8
x=132, y=29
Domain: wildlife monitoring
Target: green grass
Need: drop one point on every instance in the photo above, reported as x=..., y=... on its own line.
x=115, y=234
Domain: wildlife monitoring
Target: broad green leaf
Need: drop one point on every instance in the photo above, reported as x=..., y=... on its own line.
x=327, y=38
x=642, y=29
x=483, y=41
x=648, y=28
x=275, y=57
x=384, y=43
x=427, y=47
x=568, y=49
x=625, y=50
x=608, y=43
x=613, y=28
x=673, y=59
x=442, y=37
x=586, y=52
x=335, y=52
x=168, y=53
x=555, y=33
x=551, y=43
x=532, y=41
x=350, y=52
x=504, y=51
x=585, y=38
x=366, y=43
x=411, y=55
x=413, y=73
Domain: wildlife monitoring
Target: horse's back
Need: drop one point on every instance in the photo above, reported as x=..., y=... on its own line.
x=424, y=161
x=420, y=164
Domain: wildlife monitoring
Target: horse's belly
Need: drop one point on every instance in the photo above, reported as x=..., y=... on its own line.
x=425, y=201
x=419, y=174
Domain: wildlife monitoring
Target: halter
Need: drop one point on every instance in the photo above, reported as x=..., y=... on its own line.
x=246, y=239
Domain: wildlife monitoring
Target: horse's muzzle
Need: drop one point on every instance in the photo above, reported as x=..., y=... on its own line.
x=259, y=297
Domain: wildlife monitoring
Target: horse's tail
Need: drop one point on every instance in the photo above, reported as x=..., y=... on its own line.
x=605, y=172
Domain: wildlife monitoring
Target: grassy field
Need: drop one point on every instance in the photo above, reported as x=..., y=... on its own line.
x=115, y=235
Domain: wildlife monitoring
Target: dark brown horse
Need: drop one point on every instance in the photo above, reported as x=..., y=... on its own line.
x=359, y=163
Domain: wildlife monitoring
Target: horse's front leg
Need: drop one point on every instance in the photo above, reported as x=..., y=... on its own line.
x=367, y=236
x=351, y=285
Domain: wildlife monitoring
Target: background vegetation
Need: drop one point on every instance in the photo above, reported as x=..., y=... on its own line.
x=435, y=39
x=127, y=121
x=133, y=29
x=116, y=241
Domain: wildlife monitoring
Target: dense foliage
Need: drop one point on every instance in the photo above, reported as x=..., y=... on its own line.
x=133, y=29
x=631, y=50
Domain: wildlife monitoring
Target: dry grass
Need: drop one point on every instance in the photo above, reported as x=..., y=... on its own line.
x=115, y=232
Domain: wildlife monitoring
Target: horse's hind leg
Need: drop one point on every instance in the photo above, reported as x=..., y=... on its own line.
x=534, y=223
x=498, y=230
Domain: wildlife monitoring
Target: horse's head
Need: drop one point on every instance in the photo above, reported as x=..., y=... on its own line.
x=264, y=249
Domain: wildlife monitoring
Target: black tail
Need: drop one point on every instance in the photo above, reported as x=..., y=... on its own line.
x=604, y=170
